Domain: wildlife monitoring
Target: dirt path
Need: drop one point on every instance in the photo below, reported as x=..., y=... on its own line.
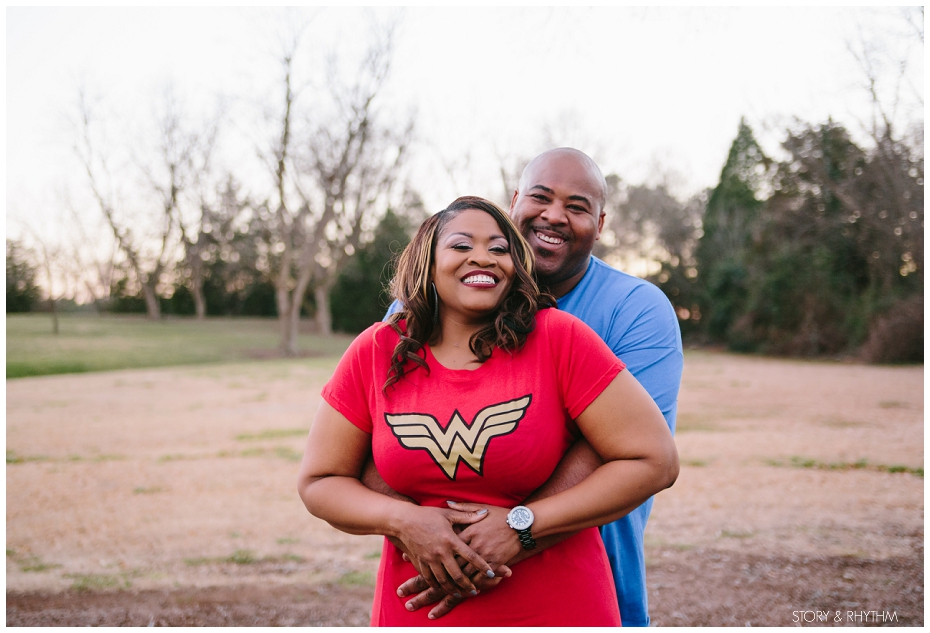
x=167, y=496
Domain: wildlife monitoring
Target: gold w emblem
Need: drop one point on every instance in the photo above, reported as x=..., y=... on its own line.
x=458, y=442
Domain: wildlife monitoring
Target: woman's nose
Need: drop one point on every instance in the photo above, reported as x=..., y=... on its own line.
x=482, y=258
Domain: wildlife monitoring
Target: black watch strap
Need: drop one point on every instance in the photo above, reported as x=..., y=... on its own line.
x=526, y=539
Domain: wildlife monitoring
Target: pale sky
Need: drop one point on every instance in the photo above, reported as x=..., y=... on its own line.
x=640, y=90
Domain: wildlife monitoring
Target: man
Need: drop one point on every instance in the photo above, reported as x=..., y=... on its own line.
x=559, y=209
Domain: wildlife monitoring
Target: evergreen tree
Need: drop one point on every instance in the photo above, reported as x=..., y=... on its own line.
x=359, y=297
x=723, y=249
x=22, y=293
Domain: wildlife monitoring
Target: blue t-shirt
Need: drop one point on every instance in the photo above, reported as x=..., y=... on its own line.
x=638, y=323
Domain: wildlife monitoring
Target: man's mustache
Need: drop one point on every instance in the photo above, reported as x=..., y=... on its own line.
x=550, y=229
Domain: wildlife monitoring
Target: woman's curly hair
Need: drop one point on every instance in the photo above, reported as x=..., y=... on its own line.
x=515, y=317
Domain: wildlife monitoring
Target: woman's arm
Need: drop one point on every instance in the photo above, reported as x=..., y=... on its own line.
x=634, y=456
x=626, y=429
x=328, y=484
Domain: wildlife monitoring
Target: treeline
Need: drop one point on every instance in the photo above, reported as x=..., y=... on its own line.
x=818, y=252
x=232, y=283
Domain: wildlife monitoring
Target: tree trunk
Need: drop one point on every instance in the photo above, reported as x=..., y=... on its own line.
x=54, y=305
x=287, y=324
x=200, y=304
x=153, y=310
x=324, y=316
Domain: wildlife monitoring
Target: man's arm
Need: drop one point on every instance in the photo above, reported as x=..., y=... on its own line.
x=372, y=480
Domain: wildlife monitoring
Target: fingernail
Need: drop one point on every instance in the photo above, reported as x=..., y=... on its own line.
x=400, y=593
x=489, y=573
x=409, y=606
x=458, y=595
x=473, y=592
x=449, y=503
x=482, y=512
x=431, y=616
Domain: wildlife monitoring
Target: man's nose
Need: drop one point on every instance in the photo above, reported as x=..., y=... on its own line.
x=554, y=213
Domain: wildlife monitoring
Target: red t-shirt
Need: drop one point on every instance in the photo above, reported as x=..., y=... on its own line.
x=490, y=435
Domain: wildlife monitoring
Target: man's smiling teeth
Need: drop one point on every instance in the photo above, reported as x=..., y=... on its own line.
x=550, y=240
x=480, y=279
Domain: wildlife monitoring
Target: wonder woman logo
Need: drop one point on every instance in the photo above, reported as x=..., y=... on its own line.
x=458, y=442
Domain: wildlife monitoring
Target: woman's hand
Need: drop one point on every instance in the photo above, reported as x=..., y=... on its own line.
x=493, y=538
x=432, y=545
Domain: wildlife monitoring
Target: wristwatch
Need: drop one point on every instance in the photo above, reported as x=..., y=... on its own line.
x=521, y=519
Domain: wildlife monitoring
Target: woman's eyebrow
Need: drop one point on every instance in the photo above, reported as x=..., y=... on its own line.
x=469, y=235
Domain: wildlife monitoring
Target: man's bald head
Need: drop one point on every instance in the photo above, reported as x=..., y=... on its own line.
x=571, y=154
x=559, y=209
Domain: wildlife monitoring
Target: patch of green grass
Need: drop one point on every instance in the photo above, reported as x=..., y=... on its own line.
x=287, y=541
x=892, y=404
x=96, y=582
x=860, y=464
x=88, y=343
x=26, y=369
x=31, y=563
x=735, y=534
x=242, y=557
x=36, y=564
x=288, y=454
x=96, y=458
x=174, y=457
x=841, y=423
x=358, y=578
x=196, y=562
x=13, y=458
x=374, y=554
x=695, y=463
x=272, y=434
x=147, y=491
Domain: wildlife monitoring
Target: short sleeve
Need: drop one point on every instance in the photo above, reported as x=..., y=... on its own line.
x=584, y=363
x=349, y=389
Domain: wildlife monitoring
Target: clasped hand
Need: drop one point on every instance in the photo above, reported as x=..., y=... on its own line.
x=443, y=559
x=492, y=542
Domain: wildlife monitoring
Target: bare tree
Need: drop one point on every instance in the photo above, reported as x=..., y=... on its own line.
x=147, y=267
x=91, y=260
x=185, y=151
x=327, y=195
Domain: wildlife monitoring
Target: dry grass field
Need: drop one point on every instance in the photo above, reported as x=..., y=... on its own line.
x=167, y=497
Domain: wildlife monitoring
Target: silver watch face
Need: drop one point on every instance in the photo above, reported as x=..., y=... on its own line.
x=520, y=518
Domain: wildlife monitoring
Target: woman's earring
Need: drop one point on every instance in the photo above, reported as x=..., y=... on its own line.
x=435, y=304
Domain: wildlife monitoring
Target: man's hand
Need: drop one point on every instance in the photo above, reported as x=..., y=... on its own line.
x=426, y=595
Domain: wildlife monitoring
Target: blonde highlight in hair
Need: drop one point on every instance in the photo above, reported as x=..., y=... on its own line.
x=515, y=317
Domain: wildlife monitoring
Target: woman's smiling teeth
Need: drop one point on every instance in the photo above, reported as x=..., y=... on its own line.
x=480, y=280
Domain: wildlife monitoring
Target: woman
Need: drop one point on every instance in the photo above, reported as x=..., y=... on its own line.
x=474, y=392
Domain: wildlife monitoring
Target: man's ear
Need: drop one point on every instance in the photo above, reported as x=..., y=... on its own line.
x=600, y=225
x=513, y=200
